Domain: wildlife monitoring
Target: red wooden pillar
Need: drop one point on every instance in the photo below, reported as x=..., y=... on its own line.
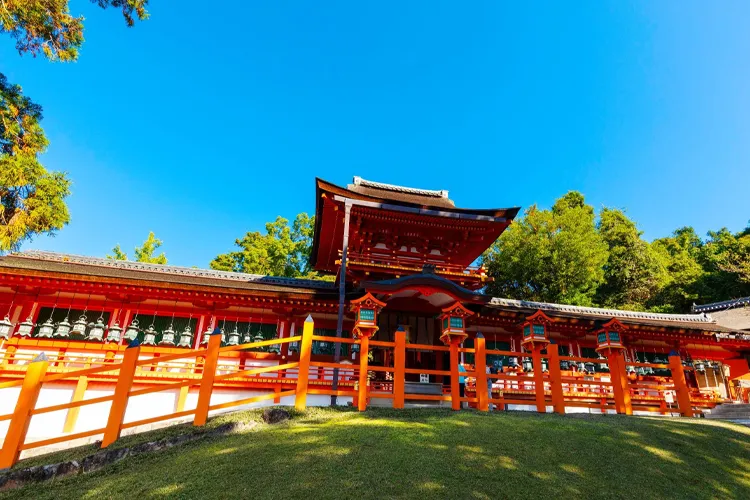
x=680, y=384
x=480, y=373
x=555, y=378
x=455, y=387
x=620, y=384
x=536, y=358
x=399, y=369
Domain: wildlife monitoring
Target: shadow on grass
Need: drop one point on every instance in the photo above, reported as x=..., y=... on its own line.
x=439, y=454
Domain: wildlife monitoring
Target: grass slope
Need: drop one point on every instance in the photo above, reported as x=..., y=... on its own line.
x=435, y=454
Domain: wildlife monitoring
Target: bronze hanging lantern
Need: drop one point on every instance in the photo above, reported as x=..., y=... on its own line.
x=234, y=337
x=114, y=333
x=149, y=335
x=6, y=327
x=206, y=335
x=79, y=327
x=63, y=329
x=132, y=331
x=167, y=336
x=46, y=329
x=26, y=328
x=96, y=333
x=186, y=338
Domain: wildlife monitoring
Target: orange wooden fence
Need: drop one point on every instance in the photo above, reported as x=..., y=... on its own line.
x=555, y=387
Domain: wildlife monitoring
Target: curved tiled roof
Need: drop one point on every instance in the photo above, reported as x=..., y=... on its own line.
x=697, y=319
x=189, y=272
x=359, y=181
x=725, y=304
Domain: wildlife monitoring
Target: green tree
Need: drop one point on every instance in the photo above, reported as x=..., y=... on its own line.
x=552, y=255
x=633, y=273
x=283, y=250
x=726, y=259
x=144, y=253
x=680, y=254
x=33, y=198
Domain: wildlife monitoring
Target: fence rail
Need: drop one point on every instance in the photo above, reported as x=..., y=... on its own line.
x=203, y=368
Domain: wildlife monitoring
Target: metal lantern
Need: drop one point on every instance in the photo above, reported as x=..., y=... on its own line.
x=26, y=328
x=589, y=367
x=453, y=324
x=167, y=336
x=247, y=338
x=79, y=327
x=545, y=366
x=513, y=362
x=46, y=330
x=186, y=338
x=355, y=347
x=114, y=333
x=206, y=335
x=96, y=333
x=149, y=336
x=581, y=367
x=528, y=365
x=132, y=331
x=6, y=327
x=234, y=337
x=259, y=338
x=365, y=311
x=699, y=366
x=603, y=366
x=63, y=329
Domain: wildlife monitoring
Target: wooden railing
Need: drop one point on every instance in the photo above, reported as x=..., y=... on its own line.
x=555, y=387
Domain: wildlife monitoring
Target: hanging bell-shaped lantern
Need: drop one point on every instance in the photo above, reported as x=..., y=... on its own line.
x=590, y=367
x=528, y=365
x=63, y=329
x=149, y=335
x=79, y=327
x=259, y=338
x=6, y=327
x=234, y=337
x=247, y=338
x=96, y=333
x=355, y=347
x=114, y=333
x=132, y=331
x=206, y=335
x=545, y=366
x=513, y=362
x=186, y=338
x=603, y=366
x=167, y=336
x=26, y=328
x=47, y=329
x=699, y=366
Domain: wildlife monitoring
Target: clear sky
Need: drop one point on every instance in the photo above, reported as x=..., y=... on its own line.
x=210, y=119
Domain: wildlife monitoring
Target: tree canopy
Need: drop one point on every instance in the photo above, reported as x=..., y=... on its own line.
x=32, y=197
x=283, y=250
x=571, y=255
x=144, y=253
x=552, y=255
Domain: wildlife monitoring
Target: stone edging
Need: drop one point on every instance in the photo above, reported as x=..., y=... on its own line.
x=17, y=478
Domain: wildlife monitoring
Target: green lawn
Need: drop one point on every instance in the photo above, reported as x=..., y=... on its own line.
x=436, y=454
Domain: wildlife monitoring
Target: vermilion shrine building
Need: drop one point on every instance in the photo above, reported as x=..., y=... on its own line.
x=408, y=251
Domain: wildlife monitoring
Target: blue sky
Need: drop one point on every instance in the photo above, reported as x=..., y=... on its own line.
x=206, y=121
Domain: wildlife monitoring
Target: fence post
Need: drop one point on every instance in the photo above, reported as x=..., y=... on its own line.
x=555, y=378
x=399, y=367
x=207, y=380
x=122, y=392
x=536, y=358
x=303, y=375
x=680, y=386
x=72, y=417
x=19, y=423
x=455, y=388
x=480, y=372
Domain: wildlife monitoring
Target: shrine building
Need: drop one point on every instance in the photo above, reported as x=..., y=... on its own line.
x=404, y=264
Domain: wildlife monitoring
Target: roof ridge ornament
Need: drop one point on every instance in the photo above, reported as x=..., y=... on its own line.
x=359, y=181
